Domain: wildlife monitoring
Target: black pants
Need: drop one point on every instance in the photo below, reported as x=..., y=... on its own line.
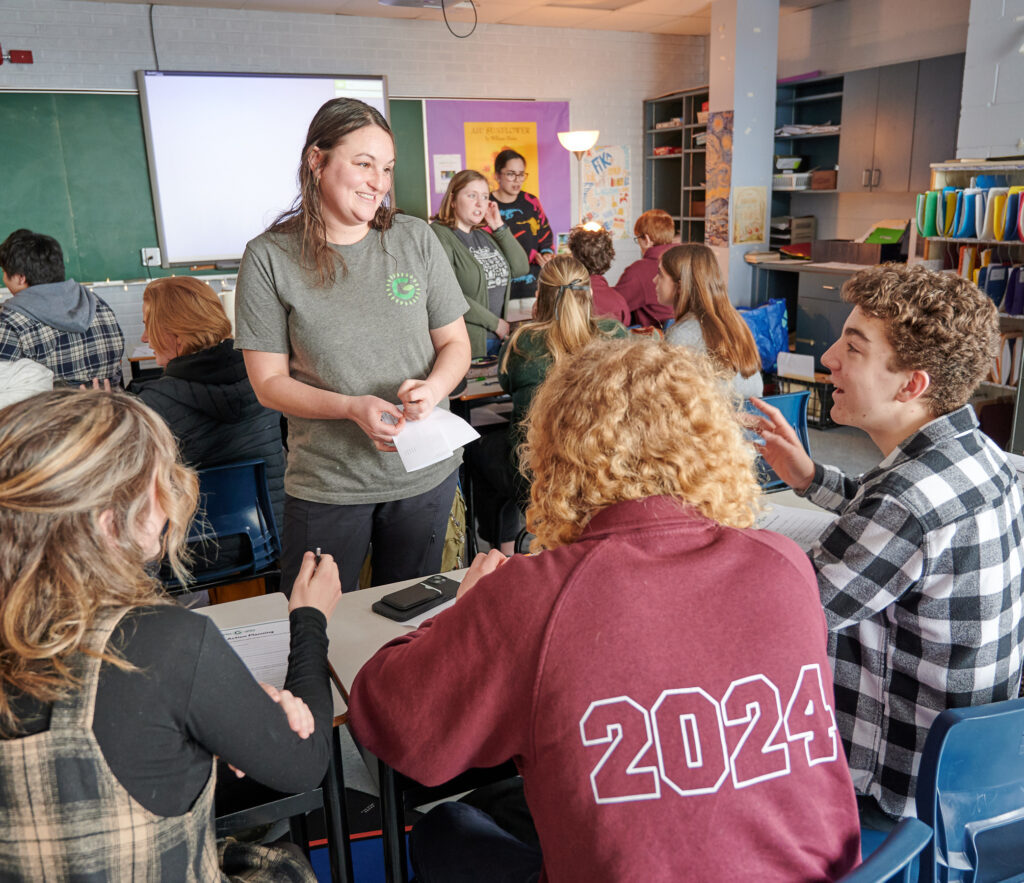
x=407, y=536
x=494, y=488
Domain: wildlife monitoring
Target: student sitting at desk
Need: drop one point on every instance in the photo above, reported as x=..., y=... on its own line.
x=658, y=673
x=920, y=575
x=690, y=282
x=484, y=262
x=204, y=394
x=655, y=233
x=53, y=320
x=563, y=323
x=114, y=700
x=592, y=246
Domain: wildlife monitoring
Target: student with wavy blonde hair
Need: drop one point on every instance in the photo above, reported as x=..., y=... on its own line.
x=113, y=699
x=690, y=281
x=204, y=394
x=656, y=620
x=563, y=323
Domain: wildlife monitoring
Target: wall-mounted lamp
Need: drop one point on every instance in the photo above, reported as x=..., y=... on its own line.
x=578, y=143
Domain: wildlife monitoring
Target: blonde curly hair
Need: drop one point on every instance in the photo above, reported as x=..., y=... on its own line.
x=70, y=460
x=627, y=420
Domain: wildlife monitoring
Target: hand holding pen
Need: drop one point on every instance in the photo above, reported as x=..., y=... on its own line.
x=317, y=585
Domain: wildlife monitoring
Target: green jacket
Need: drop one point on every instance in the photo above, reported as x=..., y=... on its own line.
x=528, y=365
x=480, y=319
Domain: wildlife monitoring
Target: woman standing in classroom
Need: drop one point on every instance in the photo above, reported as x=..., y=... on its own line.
x=344, y=311
x=484, y=263
x=689, y=282
x=524, y=215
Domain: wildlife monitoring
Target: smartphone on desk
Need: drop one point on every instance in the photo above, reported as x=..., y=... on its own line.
x=411, y=601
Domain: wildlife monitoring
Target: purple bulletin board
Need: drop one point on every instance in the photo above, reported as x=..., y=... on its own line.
x=446, y=135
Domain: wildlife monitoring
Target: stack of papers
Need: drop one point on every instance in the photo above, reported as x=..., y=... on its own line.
x=802, y=526
x=433, y=438
x=263, y=647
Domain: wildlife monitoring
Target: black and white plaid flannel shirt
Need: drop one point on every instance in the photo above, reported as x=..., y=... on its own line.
x=920, y=578
x=72, y=356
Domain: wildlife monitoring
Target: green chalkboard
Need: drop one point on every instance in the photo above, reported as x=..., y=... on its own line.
x=410, y=155
x=73, y=166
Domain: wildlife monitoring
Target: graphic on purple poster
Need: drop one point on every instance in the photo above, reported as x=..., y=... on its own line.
x=469, y=127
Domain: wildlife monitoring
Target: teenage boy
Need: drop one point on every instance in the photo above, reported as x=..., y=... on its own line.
x=920, y=575
x=54, y=321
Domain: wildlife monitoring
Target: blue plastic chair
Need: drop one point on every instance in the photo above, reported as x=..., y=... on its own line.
x=234, y=501
x=894, y=859
x=793, y=406
x=970, y=790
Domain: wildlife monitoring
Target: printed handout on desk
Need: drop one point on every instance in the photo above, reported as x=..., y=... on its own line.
x=417, y=621
x=263, y=647
x=802, y=526
x=434, y=438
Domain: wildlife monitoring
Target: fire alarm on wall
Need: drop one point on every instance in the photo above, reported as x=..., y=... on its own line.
x=16, y=56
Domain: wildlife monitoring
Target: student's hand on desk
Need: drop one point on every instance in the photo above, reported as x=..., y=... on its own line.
x=782, y=449
x=367, y=412
x=317, y=586
x=492, y=215
x=419, y=398
x=482, y=565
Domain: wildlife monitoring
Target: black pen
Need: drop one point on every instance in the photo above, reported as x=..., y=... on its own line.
x=316, y=560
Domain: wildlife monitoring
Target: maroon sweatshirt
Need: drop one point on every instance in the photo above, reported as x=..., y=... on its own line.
x=607, y=301
x=636, y=285
x=663, y=687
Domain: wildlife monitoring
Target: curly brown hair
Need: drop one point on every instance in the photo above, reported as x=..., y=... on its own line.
x=593, y=249
x=625, y=420
x=938, y=323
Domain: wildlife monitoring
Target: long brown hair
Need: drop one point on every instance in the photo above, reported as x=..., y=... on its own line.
x=333, y=121
x=701, y=290
x=185, y=308
x=67, y=459
x=564, y=311
x=446, y=213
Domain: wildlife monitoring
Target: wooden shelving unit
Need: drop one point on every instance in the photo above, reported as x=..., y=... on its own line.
x=674, y=182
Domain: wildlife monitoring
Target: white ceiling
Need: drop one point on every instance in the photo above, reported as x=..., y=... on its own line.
x=648, y=16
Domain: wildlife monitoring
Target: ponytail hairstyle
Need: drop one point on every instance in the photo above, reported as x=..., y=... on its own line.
x=702, y=293
x=334, y=120
x=564, y=311
x=77, y=471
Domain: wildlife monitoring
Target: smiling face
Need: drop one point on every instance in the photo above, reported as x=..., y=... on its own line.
x=469, y=205
x=868, y=393
x=665, y=286
x=355, y=176
x=510, y=178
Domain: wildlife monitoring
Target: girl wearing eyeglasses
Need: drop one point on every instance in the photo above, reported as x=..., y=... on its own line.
x=484, y=262
x=523, y=213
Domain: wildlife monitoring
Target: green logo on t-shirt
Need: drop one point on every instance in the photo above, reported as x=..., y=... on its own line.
x=403, y=289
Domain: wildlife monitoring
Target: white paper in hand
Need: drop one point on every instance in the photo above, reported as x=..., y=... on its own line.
x=433, y=438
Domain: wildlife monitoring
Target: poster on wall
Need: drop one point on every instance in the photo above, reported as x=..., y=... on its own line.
x=606, y=189
x=446, y=165
x=718, y=167
x=749, y=209
x=480, y=130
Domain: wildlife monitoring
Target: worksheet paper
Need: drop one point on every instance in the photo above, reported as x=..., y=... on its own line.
x=263, y=647
x=802, y=526
x=434, y=438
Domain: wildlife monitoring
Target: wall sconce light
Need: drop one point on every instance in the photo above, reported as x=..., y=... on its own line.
x=578, y=143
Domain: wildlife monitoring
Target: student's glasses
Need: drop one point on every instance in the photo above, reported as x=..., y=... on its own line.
x=515, y=176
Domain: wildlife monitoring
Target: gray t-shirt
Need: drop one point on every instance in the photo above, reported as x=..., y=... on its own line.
x=364, y=335
x=492, y=262
x=687, y=332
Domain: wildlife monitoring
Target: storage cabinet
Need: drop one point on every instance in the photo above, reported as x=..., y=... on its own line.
x=821, y=313
x=674, y=170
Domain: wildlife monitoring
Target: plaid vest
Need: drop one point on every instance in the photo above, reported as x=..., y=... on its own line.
x=65, y=817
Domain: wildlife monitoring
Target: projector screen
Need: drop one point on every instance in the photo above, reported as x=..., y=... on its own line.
x=224, y=152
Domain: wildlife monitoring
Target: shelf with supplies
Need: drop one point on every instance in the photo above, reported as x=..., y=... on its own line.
x=674, y=182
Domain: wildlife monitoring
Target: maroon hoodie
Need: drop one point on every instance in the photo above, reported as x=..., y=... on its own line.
x=636, y=285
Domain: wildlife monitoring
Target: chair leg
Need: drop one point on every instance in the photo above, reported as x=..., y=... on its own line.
x=339, y=850
x=467, y=491
x=392, y=826
x=299, y=831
